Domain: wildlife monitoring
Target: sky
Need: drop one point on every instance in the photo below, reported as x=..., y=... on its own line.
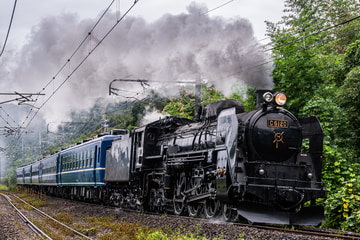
x=157, y=40
x=29, y=13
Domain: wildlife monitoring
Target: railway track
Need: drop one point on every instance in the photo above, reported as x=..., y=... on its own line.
x=301, y=230
x=318, y=232
x=32, y=226
x=308, y=233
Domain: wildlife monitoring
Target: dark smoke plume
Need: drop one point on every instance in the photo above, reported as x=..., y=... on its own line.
x=187, y=46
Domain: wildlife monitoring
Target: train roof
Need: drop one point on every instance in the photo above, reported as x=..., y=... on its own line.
x=107, y=136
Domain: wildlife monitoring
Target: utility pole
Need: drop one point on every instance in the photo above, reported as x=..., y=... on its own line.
x=198, y=98
x=40, y=144
x=104, y=122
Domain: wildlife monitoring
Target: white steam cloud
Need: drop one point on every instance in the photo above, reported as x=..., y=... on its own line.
x=187, y=46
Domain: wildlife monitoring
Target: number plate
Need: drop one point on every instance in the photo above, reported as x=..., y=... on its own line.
x=277, y=123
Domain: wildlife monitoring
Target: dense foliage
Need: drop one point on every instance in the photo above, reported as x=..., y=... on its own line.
x=317, y=63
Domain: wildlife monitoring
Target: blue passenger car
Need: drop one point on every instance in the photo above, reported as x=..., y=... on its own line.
x=47, y=171
x=81, y=168
x=75, y=172
x=20, y=176
x=35, y=173
x=27, y=174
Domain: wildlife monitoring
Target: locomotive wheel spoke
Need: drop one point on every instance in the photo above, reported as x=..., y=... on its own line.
x=194, y=209
x=211, y=208
x=227, y=212
x=179, y=196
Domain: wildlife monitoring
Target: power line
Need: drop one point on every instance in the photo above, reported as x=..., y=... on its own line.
x=81, y=62
x=315, y=33
x=80, y=45
x=217, y=7
x=73, y=71
x=8, y=32
x=320, y=23
x=69, y=59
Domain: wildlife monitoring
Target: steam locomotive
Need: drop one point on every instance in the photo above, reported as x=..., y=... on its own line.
x=263, y=166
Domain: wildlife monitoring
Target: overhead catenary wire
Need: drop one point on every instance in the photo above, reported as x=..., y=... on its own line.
x=80, y=45
x=67, y=62
x=8, y=32
x=71, y=73
x=82, y=61
x=320, y=23
x=220, y=6
x=315, y=33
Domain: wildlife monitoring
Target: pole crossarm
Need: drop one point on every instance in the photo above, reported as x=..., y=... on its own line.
x=22, y=99
x=7, y=131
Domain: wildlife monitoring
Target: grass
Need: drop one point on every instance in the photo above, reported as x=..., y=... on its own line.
x=3, y=187
x=108, y=228
x=134, y=231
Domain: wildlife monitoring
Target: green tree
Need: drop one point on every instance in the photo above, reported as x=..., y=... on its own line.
x=317, y=64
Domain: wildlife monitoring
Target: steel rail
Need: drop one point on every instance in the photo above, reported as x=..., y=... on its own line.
x=31, y=225
x=46, y=215
x=312, y=232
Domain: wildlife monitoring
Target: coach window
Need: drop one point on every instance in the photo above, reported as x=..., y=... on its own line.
x=91, y=155
x=86, y=156
x=74, y=160
x=83, y=160
x=98, y=160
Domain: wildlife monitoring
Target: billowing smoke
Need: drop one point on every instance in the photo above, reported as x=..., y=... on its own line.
x=187, y=46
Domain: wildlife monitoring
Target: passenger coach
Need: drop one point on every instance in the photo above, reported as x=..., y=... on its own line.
x=75, y=172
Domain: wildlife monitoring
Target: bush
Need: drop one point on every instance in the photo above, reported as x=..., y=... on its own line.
x=342, y=208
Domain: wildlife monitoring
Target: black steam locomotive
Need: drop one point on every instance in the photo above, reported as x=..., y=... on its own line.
x=231, y=162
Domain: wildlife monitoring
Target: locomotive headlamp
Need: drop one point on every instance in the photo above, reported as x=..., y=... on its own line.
x=268, y=97
x=310, y=175
x=280, y=98
x=261, y=172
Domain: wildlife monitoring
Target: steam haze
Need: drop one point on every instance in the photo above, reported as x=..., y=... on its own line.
x=223, y=52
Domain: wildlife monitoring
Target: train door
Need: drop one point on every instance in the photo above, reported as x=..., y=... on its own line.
x=96, y=161
x=138, y=148
x=59, y=170
x=40, y=173
x=23, y=176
